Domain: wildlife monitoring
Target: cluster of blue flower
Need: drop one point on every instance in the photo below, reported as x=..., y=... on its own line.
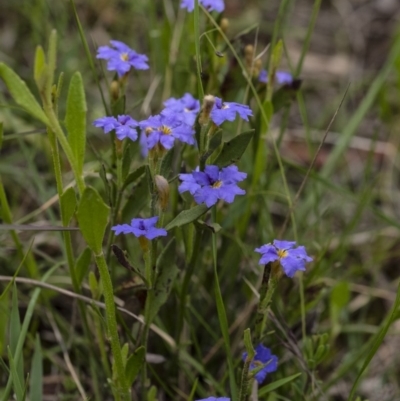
x=176, y=122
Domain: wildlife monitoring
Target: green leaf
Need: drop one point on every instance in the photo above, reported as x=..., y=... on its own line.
x=168, y=271
x=138, y=200
x=82, y=265
x=36, y=379
x=134, y=175
x=25, y=325
x=21, y=93
x=40, y=68
x=68, y=205
x=214, y=143
x=75, y=119
x=134, y=364
x=1, y=134
x=187, y=216
x=277, y=55
x=15, y=332
x=4, y=313
x=92, y=217
x=16, y=381
x=152, y=394
x=233, y=150
x=276, y=384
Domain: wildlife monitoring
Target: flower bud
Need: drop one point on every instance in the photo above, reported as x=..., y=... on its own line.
x=249, y=54
x=224, y=24
x=208, y=104
x=114, y=90
x=162, y=191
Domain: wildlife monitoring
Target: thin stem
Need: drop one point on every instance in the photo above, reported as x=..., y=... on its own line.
x=123, y=391
x=71, y=261
x=268, y=287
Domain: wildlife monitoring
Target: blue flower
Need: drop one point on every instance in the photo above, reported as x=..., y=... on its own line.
x=124, y=126
x=291, y=258
x=281, y=77
x=209, y=5
x=141, y=228
x=186, y=108
x=263, y=356
x=215, y=399
x=226, y=111
x=213, y=184
x=121, y=58
x=163, y=130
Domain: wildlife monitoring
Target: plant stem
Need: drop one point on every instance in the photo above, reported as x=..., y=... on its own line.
x=123, y=391
x=268, y=286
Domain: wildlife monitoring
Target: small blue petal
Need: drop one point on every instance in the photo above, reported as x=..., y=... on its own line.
x=141, y=228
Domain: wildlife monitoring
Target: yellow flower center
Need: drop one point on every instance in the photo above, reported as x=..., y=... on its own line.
x=124, y=56
x=165, y=130
x=282, y=253
x=217, y=184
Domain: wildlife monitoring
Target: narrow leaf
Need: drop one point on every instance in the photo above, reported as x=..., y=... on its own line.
x=134, y=175
x=166, y=164
x=276, y=384
x=138, y=200
x=15, y=377
x=377, y=342
x=75, y=119
x=21, y=93
x=92, y=217
x=15, y=332
x=68, y=205
x=233, y=150
x=1, y=134
x=36, y=379
x=40, y=68
x=187, y=216
x=134, y=364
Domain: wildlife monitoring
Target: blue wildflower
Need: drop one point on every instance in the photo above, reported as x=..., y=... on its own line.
x=124, y=126
x=263, y=357
x=291, y=258
x=226, y=111
x=209, y=5
x=141, y=228
x=163, y=130
x=121, y=58
x=281, y=77
x=215, y=399
x=186, y=108
x=213, y=184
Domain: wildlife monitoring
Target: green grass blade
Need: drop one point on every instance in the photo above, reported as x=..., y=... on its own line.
x=15, y=332
x=36, y=379
x=223, y=321
x=25, y=326
x=377, y=342
x=15, y=378
x=276, y=384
